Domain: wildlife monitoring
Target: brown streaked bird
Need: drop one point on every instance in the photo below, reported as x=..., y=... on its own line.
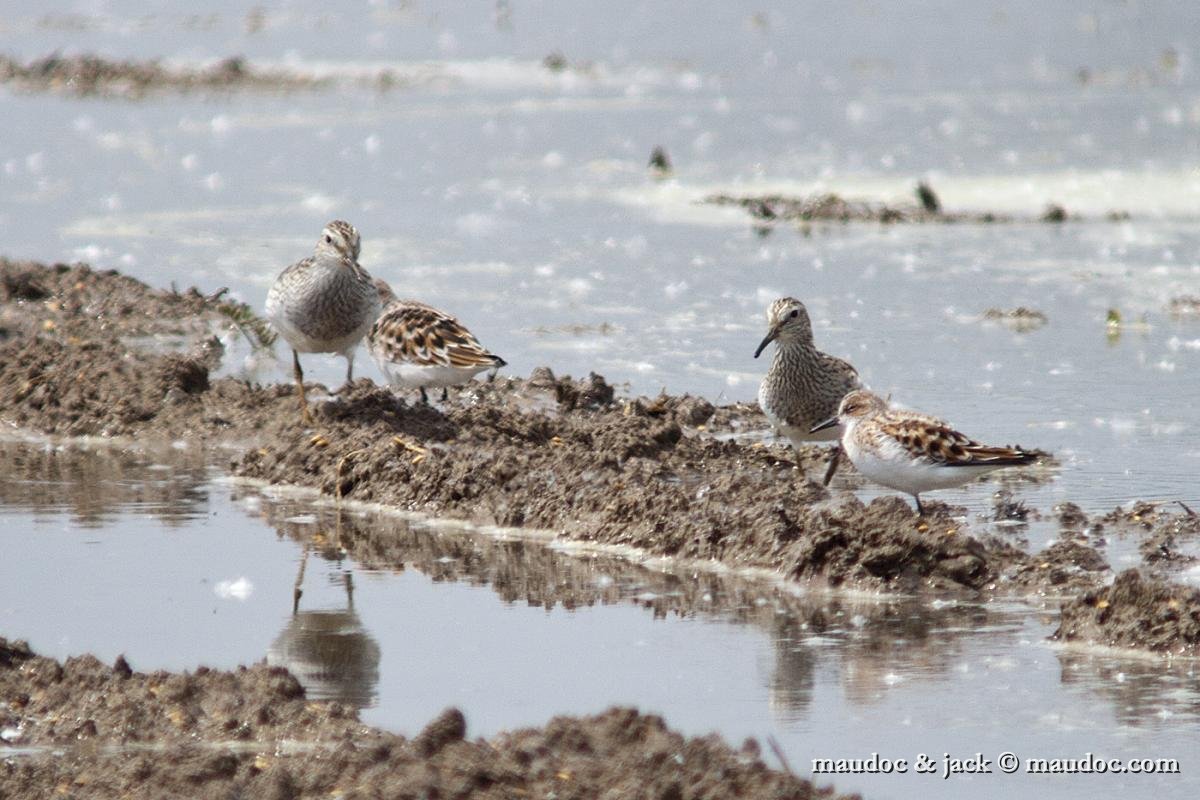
x=803, y=385
x=324, y=303
x=913, y=452
x=419, y=347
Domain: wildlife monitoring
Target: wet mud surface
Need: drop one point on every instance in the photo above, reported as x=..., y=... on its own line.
x=669, y=475
x=88, y=729
x=1167, y=534
x=1139, y=612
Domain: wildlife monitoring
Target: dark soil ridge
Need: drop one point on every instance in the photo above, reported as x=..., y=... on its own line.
x=90, y=75
x=1137, y=612
x=81, y=705
x=831, y=207
x=544, y=452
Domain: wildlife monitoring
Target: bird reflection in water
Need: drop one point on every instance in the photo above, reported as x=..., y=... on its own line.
x=329, y=650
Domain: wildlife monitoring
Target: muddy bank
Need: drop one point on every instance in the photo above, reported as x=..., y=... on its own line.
x=252, y=732
x=544, y=452
x=90, y=75
x=1168, y=534
x=673, y=476
x=1139, y=612
x=833, y=208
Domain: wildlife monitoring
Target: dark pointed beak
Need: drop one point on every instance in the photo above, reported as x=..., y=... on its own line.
x=770, y=337
x=820, y=426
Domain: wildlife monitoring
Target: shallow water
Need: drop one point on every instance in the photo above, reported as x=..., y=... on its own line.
x=518, y=198
x=176, y=567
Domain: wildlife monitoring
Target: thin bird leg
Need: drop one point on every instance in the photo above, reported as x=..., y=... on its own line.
x=835, y=458
x=445, y=395
x=296, y=590
x=349, y=368
x=305, y=417
x=424, y=397
x=920, y=511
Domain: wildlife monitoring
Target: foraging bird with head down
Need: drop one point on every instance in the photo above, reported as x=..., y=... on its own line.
x=324, y=303
x=913, y=452
x=420, y=347
x=803, y=385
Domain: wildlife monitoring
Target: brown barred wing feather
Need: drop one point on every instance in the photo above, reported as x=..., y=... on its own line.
x=936, y=441
x=415, y=333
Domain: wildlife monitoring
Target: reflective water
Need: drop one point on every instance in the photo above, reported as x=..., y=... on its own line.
x=173, y=566
x=518, y=197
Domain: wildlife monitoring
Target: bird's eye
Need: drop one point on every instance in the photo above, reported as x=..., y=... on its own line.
x=328, y=239
x=795, y=313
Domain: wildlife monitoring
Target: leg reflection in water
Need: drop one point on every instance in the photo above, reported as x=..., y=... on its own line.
x=329, y=650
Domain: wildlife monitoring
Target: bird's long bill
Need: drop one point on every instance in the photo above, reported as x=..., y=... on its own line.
x=820, y=426
x=770, y=337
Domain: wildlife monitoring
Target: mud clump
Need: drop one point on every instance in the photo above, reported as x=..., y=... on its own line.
x=1184, y=306
x=1138, y=612
x=1065, y=568
x=82, y=707
x=1054, y=213
x=591, y=393
x=659, y=163
x=1006, y=508
x=1160, y=530
x=75, y=301
x=58, y=703
x=928, y=198
x=686, y=410
x=184, y=374
x=1020, y=319
x=448, y=727
x=17, y=285
x=1070, y=516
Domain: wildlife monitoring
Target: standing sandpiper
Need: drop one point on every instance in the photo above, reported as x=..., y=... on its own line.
x=803, y=385
x=913, y=452
x=419, y=347
x=324, y=303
